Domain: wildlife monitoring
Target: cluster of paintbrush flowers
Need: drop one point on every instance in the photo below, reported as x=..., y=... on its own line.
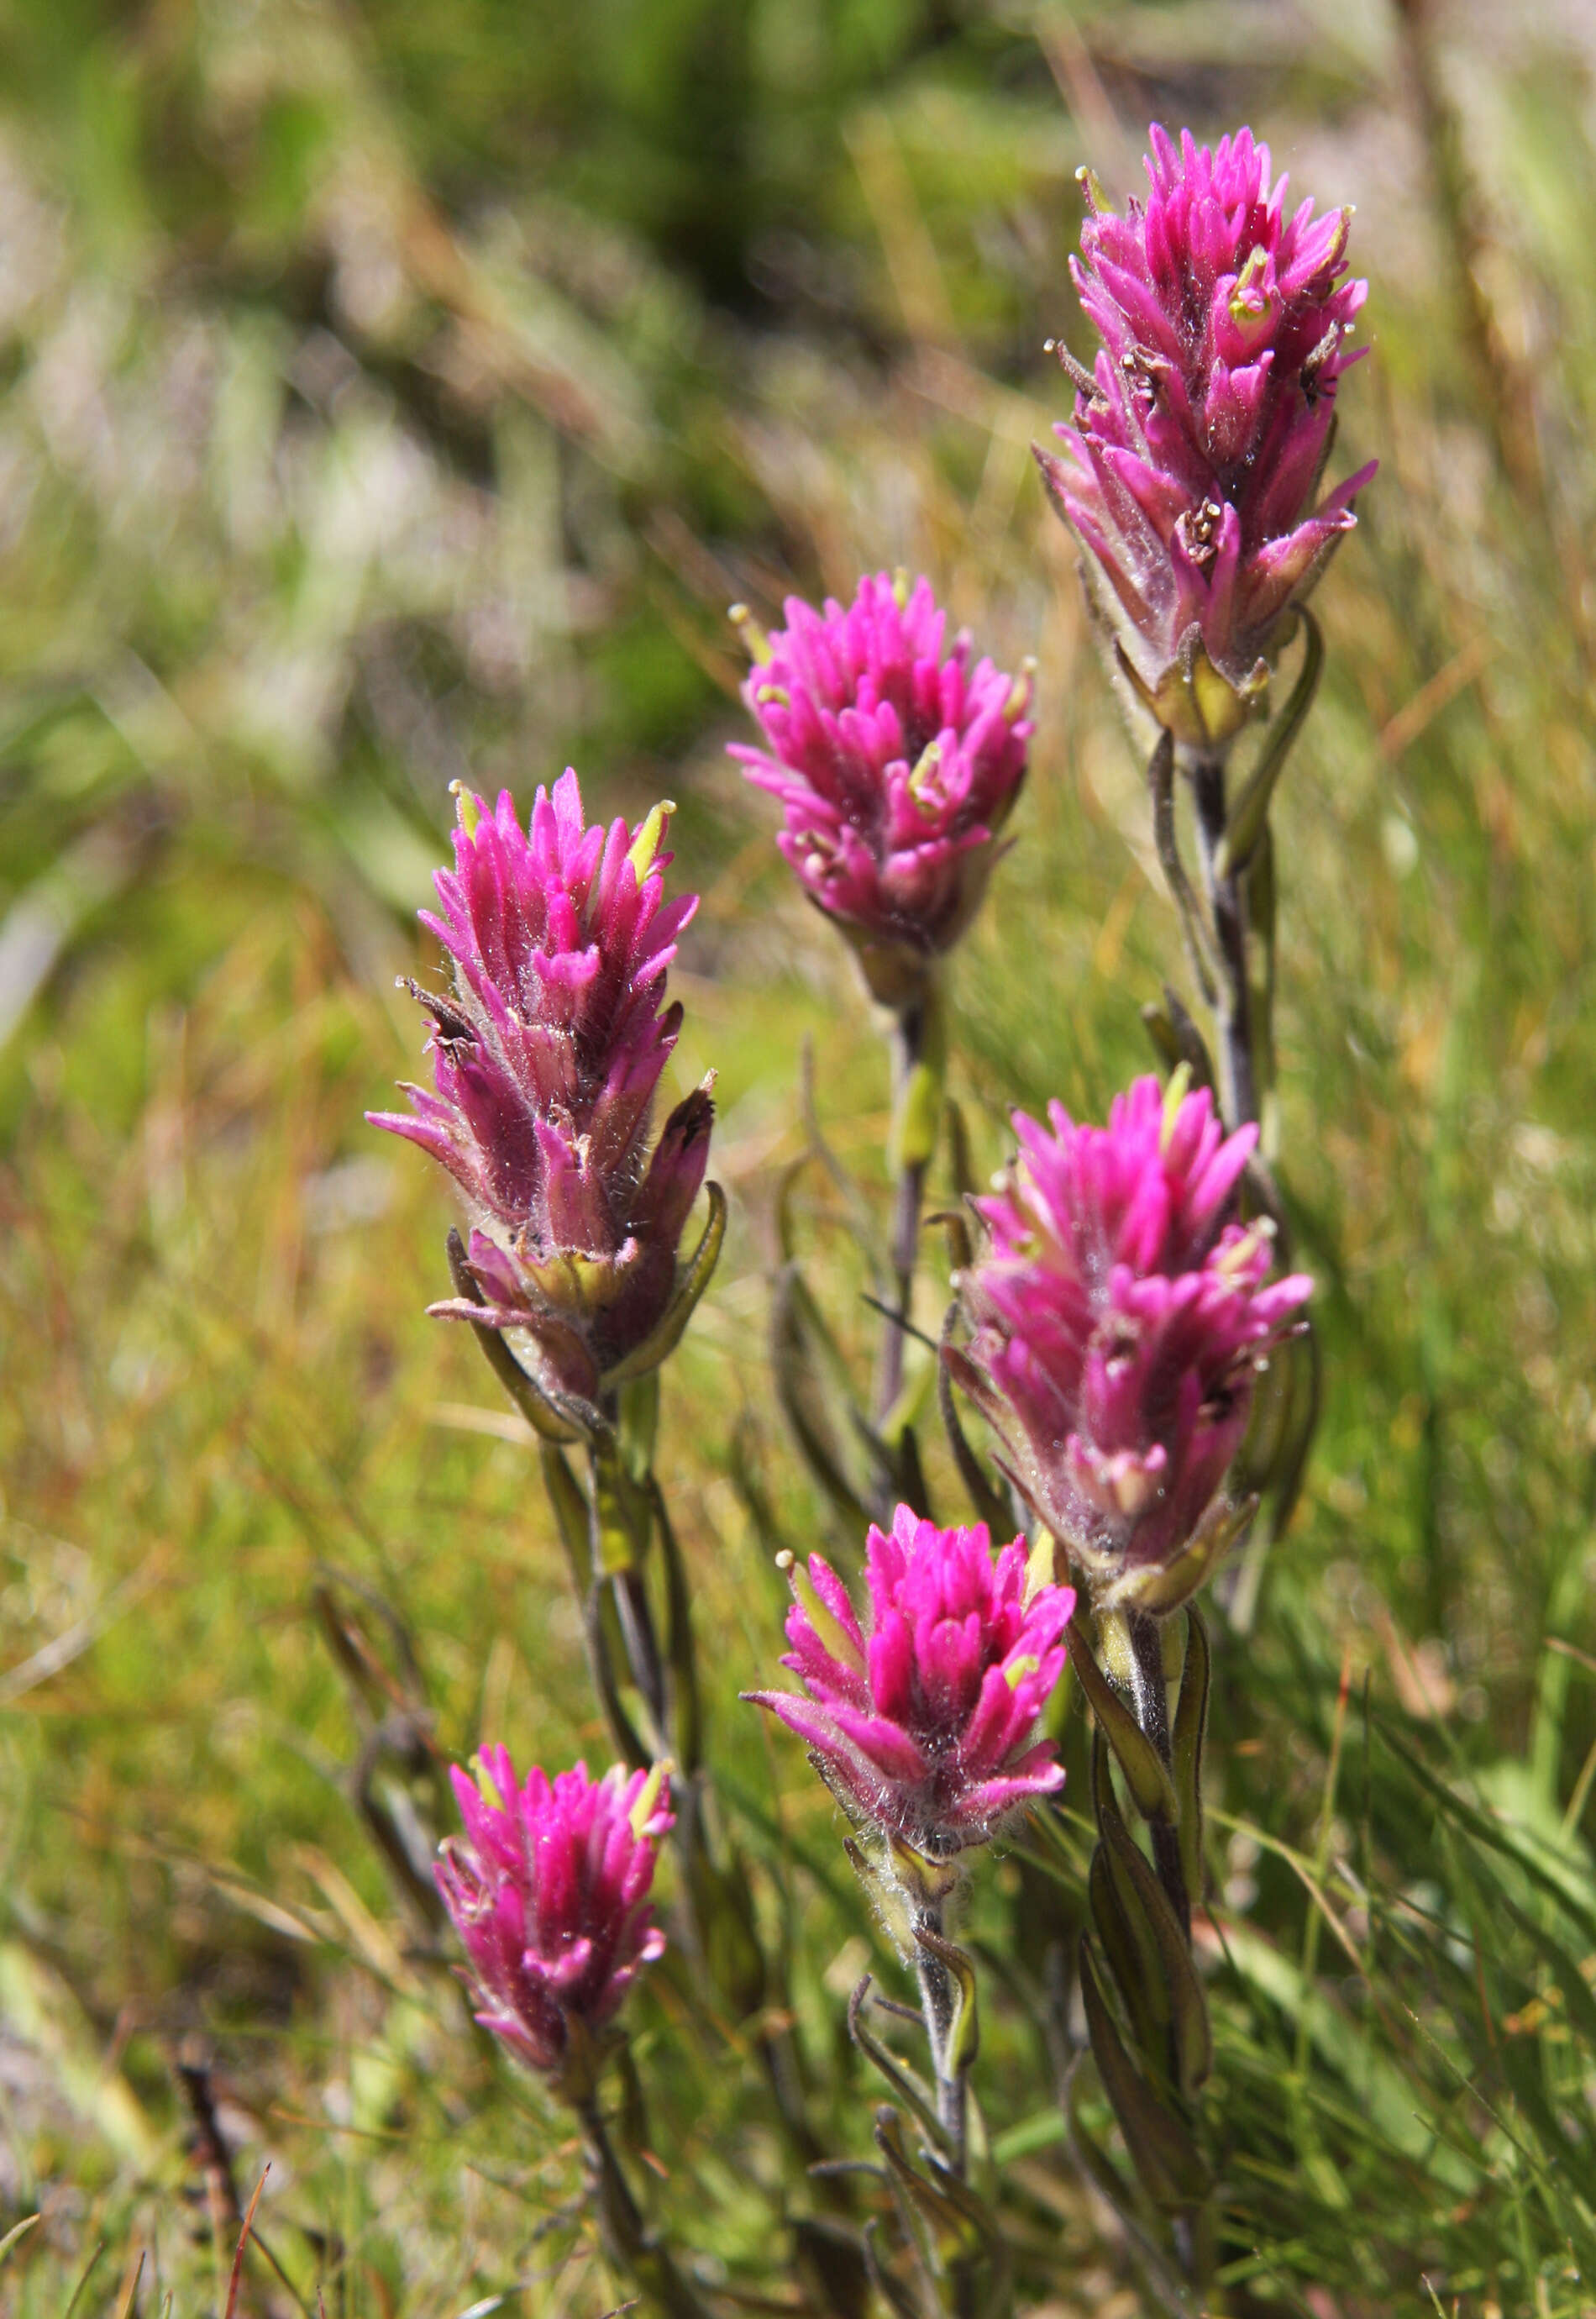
x=1122, y=1323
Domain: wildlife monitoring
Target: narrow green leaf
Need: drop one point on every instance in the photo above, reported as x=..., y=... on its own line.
x=1191, y=1724
x=1162, y=1950
x=1145, y=1775
x=1166, y=2158
x=965, y=2037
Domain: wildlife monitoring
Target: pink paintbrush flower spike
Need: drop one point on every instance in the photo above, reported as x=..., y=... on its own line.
x=549, y=1892
x=922, y=1717
x=897, y=764
x=546, y=1059
x=1120, y=1316
x=1197, y=445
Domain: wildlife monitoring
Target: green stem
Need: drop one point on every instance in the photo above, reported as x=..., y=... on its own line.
x=939, y=1997
x=909, y=1046
x=1227, y=907
x=628, y=2246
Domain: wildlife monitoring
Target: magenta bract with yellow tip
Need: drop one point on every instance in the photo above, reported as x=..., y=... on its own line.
x=922, y=1717
x=896, y=762
x=1191, y=468
x=546, y=1058
x=549, y=1891
x=1119, y=1316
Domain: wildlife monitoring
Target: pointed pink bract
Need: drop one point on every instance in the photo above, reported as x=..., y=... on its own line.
x=897, y=764
x=1189, y=471
x=1120, y=1314
x=548, y=1890
x=546, y=1059
x=927, y=1727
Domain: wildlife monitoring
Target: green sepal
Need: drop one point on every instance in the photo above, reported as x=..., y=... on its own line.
x=1149, y=1784
x=1191, y=1723
x=927, y=1883
x=964, y=2039
x=1158, y=1588
x=906, y=2084
x=1199, y=707
x=694, y=1278
x=1167, y=2161
x=1163, y=1953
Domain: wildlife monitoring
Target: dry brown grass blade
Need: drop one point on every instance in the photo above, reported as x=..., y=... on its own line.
x=236, y=2276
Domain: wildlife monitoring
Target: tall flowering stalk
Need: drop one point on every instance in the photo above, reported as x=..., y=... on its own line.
x=897, y=758
x=546, y=1056
x=1121, y=1313
x=921, y=1720
x=1190, y=476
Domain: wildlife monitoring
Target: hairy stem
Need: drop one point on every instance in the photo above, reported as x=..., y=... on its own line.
x=1237, y=1087
x=909, y=1038
x=628, y=2246
x=1150, y=1699
x=939, y=1998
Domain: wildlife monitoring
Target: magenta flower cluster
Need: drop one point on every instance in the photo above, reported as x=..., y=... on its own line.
x=896, y=765
x=546, y=1059
x=549, y=1892
x=923, y=1721
x=1120, y=1316
x=1198, y=444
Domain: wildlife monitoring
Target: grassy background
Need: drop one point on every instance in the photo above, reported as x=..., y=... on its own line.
x=390, y=392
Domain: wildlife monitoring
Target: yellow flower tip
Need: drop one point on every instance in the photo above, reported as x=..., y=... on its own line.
x=468, y=809
x=650, y=836
x=1174, y=1094
x=648, y=1797
x=930, y=757
x=1041, y=1565
x=903, y=587
x=1097, y=200
x=1020, y=692
x=755, y=642
x=829, y=1630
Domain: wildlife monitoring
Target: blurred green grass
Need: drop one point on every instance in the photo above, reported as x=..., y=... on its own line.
x=392, y=393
